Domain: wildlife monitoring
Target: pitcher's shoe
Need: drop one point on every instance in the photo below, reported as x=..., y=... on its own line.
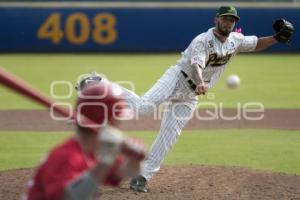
x=138, y=184
x=91, y=78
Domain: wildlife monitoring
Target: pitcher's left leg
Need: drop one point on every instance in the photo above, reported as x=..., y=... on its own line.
x=175, y=117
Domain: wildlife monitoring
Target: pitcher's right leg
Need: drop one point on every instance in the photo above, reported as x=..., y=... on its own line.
x=156, y=95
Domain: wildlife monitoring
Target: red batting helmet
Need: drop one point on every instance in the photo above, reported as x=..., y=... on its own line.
x=100, y=104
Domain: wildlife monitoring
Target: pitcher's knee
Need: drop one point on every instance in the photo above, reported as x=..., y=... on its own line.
x=146, y=108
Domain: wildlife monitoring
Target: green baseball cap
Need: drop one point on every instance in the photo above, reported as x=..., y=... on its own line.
x=227, y=10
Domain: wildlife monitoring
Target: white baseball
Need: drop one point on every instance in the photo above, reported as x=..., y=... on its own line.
x=233, y=81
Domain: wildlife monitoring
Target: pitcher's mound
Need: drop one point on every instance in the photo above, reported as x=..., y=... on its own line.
x=186, y=182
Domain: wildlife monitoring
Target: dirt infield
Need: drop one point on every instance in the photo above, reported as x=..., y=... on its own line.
x=186, y=182
x=191, y=182
x=39, y=120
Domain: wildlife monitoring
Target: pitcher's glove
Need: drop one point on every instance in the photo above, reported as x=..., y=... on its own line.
x=284, y=30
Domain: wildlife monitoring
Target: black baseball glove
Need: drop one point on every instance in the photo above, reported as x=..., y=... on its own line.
x=284, y=30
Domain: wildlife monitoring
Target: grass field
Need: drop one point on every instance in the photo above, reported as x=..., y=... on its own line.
x=261, y=149
x=265, y=78
x=271, y=80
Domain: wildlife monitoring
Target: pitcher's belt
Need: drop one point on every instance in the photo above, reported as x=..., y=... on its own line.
x=190, y=81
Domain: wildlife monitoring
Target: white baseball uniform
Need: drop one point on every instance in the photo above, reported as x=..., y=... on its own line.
x=173, y=87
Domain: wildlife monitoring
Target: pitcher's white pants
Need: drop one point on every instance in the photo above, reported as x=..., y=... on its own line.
x=172, y=89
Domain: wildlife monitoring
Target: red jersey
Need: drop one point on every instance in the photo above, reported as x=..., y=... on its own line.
x=63, y=164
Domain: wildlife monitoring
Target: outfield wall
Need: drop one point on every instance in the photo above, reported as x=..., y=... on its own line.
x=55, y=28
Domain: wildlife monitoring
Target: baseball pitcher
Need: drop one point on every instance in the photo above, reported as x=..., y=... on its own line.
x=199, y=69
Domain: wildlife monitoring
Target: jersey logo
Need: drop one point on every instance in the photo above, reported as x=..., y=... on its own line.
x=231, y=46
x=216, y=61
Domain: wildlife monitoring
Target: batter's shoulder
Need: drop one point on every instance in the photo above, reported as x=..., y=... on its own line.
x=65, y=152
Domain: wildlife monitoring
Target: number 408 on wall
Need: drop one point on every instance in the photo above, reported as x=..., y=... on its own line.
x=78, y=29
